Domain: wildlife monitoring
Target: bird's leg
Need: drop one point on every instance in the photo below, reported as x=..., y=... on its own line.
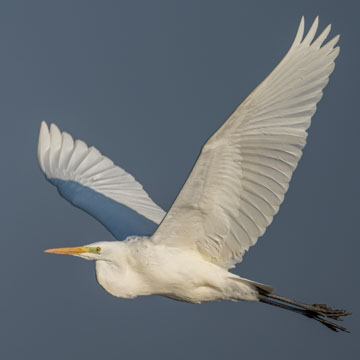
x=319, y=309
x=307, y=313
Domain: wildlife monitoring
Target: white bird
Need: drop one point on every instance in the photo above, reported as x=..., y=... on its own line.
x=230, y=197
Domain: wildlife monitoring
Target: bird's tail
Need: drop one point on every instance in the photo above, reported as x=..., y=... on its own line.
x=266, y=289
x=318, y=312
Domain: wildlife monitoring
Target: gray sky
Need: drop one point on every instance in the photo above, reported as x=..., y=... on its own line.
x=147, y=82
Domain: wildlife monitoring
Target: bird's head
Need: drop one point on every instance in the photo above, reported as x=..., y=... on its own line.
x=97, y=251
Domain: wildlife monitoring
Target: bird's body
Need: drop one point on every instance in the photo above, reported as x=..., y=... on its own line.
x=140, y=267
x=230, y=197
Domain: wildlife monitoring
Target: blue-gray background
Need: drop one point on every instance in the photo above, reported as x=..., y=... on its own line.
x=147, y=82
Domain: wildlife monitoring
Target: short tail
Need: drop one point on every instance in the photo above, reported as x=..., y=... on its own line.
x=318, y=312
x=258, y=286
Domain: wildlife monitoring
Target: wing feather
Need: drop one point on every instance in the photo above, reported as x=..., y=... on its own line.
x=100, y=184
x=243, y=172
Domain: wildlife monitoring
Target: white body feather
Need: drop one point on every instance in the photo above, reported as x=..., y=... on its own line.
x=139, y=268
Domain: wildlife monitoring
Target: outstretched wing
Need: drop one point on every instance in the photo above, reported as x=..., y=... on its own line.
x=244, y=169
x=91, y=181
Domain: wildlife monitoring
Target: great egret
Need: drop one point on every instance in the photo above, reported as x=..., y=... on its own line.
x=228, y=200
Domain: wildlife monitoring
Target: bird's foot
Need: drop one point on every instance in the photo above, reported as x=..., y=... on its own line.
x=327, y=311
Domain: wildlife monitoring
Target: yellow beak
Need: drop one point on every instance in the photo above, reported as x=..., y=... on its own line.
x=69, y=250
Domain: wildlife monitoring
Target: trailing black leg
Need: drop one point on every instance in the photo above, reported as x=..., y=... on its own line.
x=320, y=309
x=316, y=311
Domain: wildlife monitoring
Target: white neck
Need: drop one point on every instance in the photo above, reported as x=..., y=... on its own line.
x=120, y=280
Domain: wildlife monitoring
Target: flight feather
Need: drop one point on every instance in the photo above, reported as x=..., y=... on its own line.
x=243, y=172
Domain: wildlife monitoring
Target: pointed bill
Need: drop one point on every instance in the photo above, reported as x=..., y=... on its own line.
x=69, y=250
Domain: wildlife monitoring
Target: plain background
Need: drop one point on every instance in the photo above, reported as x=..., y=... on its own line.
x=147, y=82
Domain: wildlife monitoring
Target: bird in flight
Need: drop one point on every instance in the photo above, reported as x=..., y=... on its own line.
x=230, y=197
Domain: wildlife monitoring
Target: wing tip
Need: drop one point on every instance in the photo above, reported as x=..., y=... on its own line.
x=299, y=34
x=55, y=135
x=43, y=144
x=309, y=39
x=50, y=143
x=53, y=127
x=335, y=39
x=311, y=33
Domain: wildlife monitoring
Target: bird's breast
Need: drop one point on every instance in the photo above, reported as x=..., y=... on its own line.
x=120, y=281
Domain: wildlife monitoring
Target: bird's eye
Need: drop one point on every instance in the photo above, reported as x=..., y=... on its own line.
x=98, y=249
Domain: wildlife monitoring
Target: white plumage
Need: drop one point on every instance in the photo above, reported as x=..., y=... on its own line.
x=230, y=197
x=62, y=158
x=243, y=172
